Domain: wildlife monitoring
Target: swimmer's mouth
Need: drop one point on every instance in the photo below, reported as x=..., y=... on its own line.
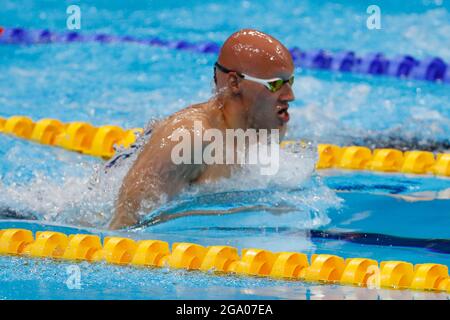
x=283, y=113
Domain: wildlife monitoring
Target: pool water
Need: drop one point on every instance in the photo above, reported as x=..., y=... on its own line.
x=364, y=214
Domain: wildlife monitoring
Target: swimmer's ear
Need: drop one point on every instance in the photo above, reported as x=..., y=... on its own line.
x=233, y=83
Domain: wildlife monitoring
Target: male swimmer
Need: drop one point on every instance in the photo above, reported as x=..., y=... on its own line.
x=253, y=78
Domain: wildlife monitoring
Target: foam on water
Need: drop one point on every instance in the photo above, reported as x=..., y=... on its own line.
x=294, y=196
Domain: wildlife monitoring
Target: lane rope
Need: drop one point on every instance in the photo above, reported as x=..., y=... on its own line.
x=324, y=268
x=378, y=64
x=103, y=141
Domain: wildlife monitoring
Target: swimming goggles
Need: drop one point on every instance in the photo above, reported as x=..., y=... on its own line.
x=273, y=85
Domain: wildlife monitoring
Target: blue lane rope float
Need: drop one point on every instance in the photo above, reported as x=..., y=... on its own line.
x=19, y=36
x=403, y=66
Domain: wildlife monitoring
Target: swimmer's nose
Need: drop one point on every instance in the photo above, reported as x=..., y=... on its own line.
x=287, y=94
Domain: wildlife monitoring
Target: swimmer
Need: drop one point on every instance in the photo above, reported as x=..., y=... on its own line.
x=253, y=77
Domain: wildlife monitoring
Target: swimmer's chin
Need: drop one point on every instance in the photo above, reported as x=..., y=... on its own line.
x=282, y=122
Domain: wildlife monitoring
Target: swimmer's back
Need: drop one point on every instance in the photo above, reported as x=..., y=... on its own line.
x=159, y=131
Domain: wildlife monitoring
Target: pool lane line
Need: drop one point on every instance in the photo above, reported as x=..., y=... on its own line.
x=365, y=238
x=324, y=268
x=385, y=240
x=433, y=69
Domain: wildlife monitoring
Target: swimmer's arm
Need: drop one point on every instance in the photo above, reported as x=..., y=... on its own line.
x=276, y=210
x=152, y=176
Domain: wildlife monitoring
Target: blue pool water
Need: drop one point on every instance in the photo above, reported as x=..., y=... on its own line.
x=128, y=85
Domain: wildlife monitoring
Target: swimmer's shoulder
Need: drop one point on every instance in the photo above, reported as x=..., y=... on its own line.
x=187, y=117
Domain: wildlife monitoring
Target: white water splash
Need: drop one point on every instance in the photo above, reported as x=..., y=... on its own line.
x=88, y=199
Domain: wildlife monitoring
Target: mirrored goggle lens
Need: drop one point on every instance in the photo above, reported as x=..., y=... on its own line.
x=291, y=80
x=276, y=85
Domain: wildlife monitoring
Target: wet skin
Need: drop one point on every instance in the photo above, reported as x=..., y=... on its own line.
x=237, y=104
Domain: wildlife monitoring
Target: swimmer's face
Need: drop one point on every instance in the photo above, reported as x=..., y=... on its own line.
x=257, y=55
x=266, y=109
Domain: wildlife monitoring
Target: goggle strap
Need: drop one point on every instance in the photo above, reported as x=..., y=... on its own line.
x=272, y=84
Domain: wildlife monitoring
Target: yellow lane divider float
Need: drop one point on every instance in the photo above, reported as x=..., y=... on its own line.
x=100, y=141
x=322, y=268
